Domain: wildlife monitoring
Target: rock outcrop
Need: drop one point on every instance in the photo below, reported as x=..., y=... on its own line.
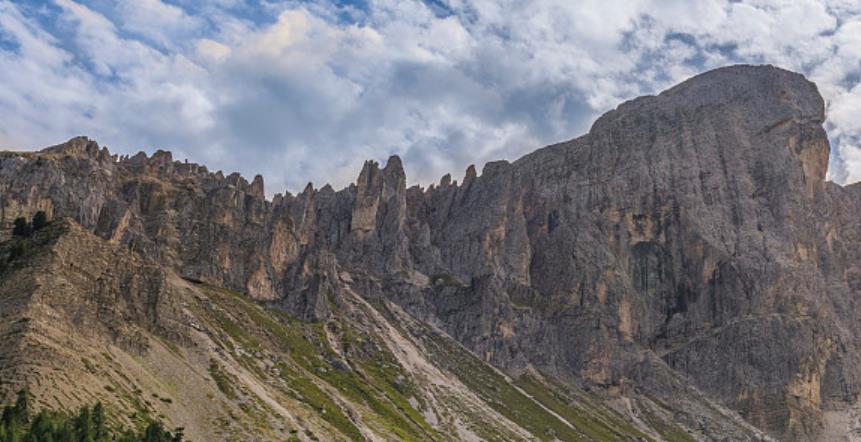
x=688, y=247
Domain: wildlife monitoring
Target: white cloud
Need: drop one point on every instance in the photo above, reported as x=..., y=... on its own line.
x=158, y=22
x=212, y=51
x=304, y=94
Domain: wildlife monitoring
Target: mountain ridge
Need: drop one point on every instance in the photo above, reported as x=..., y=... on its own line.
x=686, y=231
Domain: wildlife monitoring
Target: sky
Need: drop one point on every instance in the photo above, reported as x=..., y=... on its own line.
x=305, y=91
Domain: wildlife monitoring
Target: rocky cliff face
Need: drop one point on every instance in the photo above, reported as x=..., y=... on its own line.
x=688, y=247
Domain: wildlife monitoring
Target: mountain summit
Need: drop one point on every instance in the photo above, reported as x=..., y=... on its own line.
x=683, y=271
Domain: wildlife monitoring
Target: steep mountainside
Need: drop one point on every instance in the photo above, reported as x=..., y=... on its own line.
x=85, y=320
x=684, y=258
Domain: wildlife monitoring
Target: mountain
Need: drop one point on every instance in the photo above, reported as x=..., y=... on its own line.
x=681, y=272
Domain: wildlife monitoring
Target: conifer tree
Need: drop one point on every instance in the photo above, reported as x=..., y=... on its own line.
x=99, y=430
x=22, y=407
x=21, y=227
x=40, y=220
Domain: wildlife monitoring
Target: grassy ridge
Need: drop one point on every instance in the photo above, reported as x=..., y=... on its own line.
x=595, y=421
x=367, y=374
x=315, y=358
x=497, y=392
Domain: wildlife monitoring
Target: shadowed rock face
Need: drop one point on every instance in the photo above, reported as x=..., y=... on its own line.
x=689, y=238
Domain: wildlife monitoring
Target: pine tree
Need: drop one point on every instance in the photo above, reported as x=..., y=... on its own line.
x=21, y=227
x=7, y=418
x=42, y=428
x=22, y=407
x=99, y=430
x=40, y=220
x=154, y=432
x=13, y=429
x=83, y=425
x=19, y=248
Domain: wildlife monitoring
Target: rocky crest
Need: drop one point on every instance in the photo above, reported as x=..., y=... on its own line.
x=687, y=248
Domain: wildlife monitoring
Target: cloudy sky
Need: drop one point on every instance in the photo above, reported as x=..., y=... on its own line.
x=306, y=90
